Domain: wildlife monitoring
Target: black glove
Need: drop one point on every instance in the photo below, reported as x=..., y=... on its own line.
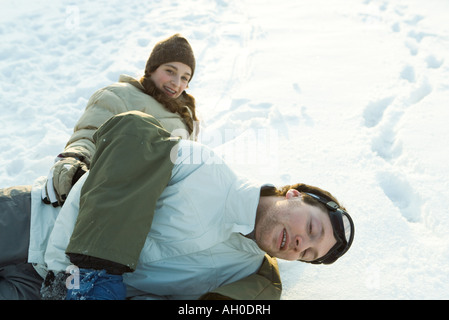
x=54, y=286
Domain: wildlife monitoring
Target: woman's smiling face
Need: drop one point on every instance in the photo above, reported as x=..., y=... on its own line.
x=172, y=78
x=288, y=228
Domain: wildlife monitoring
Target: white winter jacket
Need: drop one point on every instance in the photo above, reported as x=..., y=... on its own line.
x=196, y=241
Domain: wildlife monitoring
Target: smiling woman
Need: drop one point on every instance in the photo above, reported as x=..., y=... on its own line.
x=168, y=72
x=160, y=93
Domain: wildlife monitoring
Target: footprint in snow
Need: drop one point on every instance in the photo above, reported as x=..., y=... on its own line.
x=419, y=93
x=401, y=194
x=385, y=144
x=408, y=73
x=433, y=62
x=374, y=111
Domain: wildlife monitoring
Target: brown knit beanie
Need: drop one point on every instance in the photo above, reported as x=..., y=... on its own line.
x=173, y=49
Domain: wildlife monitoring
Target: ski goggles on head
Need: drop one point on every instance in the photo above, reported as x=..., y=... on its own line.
x=343, y=228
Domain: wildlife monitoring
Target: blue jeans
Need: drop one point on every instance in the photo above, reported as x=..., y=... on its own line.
x=97, y=285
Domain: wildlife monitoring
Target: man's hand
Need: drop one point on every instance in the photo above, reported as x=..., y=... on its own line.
x=63, y=175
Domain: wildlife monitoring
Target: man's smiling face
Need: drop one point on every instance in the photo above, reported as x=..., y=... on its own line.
x=288, y=228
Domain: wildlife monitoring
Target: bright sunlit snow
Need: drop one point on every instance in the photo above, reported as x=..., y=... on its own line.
x=351, y=96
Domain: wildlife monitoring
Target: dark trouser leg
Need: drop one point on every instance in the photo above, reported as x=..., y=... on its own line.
x=18, y=279
x=19, y=282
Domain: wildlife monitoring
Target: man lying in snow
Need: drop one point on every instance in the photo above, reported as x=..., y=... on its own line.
x=163, y=217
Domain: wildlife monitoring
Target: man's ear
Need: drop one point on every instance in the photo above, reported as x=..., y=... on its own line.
x=292, y=193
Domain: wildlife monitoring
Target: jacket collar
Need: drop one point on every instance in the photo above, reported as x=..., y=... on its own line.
x=128, y=79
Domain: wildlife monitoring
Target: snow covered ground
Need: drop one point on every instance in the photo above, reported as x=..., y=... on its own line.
x=351, y=96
